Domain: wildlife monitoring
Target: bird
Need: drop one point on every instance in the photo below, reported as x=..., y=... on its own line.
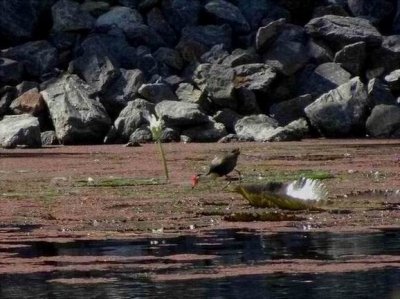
x=220, y=166
x=303, y=193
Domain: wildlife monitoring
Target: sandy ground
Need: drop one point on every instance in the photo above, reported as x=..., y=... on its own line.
x=112, y=191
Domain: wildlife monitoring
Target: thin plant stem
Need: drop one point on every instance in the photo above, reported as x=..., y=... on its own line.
x=164, y=161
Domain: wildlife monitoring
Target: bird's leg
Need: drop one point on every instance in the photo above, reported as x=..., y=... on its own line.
x=240, y=175
x=229, y=182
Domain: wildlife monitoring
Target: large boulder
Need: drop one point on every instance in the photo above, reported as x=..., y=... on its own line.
x=393, y=80
x=373, y=10
x=169, y=57
x=141, y=34
x=339, y=31
x=11, y=71
x=342, y=111
x=387, y=57
x=77, y=118
x=30, y=102
x=294, y=131
x=209, y=132
x=256, y=127
x=68, y=16
x=220, y=86
x=266, y=34
x=181, y=13
x=175, y=113
x=7, y=95
x=241, y=57
x=186, y=92
x=352, y=57
x=120, y=17
x=255, y=76
x=227, y=13
x=384, y=122
x=38, y=57
x=156, y=20
x=19, y=130
x=290, y=110
x=379, y=93
x=157, y=92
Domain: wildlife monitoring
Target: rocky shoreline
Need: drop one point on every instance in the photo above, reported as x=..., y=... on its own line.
x=86, y=72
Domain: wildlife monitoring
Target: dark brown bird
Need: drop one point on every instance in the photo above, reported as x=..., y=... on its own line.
x=221, y=165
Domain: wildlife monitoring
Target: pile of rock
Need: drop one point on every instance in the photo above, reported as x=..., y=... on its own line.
x=76, y=72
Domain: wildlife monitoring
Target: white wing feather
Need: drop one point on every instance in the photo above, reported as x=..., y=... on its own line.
x=307, y=189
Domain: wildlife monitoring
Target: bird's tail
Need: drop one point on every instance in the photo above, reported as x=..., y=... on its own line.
x=307, y=189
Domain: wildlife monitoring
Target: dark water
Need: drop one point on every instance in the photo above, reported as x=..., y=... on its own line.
x=232, y=248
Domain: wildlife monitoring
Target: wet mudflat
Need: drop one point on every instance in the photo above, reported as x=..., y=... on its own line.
x=126, y=233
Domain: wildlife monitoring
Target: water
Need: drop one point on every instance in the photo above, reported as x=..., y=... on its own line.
x=232, y=248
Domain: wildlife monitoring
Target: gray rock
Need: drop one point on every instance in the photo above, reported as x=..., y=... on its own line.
x=229, y=138
x=227, y=13
x=255, y=77
x=215, y=55
x=95, y=8
x=208, y=35
x=122, y=90
x=148, y=64
x=294, y=131
x=220, y=86
x=19, y=130
x=38, y=57
x=318, y=52
x=323, y=78
x=332, y=9
x=387, y=57
x=256, y=127
x=240, y=57
x=157, y=92
x=141, y=34
x=288, y=53
x=11, y=71
x=342, y=111
x=48, y=138
x=175, y=113
x=186, y=92
x=247, y=101
x=379, y=93
x=266, y=34
x=393, y=80
x=170, y=134
x=208, y=132
x=113, y=46
x=352, y=57
x=7, y=95
x=24, y=86
x=156, y=20
x=384, y=122
x=373, y=10
x=181, y=13
x=120, y=17
x=228, y=118
x=141, y=135
x=339, y=31
x=76, y=117
x=170, y=57
x=97, y=70
x=290, y=110
x=200, y=75
x=68, y=16
x=30, y=102
x=20, y=19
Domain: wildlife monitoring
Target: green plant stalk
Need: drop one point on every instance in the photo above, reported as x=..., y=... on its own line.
x=164, y=161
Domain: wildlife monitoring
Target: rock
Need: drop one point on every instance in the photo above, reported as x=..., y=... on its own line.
x=290, y=110
x=11, y=71
x=68, y=16
x=122, y=90
x=76, y=117
x=186, y=92
x=141, y=34
x=148, y=64
x=288, y=53
x=220, y=86
x=352, y=57
x=294, y=131
x=379, y=93
x=173, y=81
x=98, y=71
x=240, y=57
x=19, y=130
x=373, y=10
x=113, y=46
x=227, y=13
x=247, y=101
x=201, y=74
x=7, y=95
x=208, y=35
x=266, y=34
x=48, y=138
x=387, y=57
x=384, y=122
x=208, y=132
x=342, y=111
x=156, y=20
x=170, y=134
x=120, y=17
x=318, y=52
x=256, y=127
x=30, y=102
x=181, y=13
x=229, y=138
x=228, y=118
x=24, y=86
x=393, y=80
x=339, y=31
x=22, y=20
x=38, y=57
x=333, y=9
x=216, y=54
x=175, y=113
x=157, y=92
x=170, y=57
x=95, y=8
x=323, y=78
x=141, y=135
x=255, y=77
